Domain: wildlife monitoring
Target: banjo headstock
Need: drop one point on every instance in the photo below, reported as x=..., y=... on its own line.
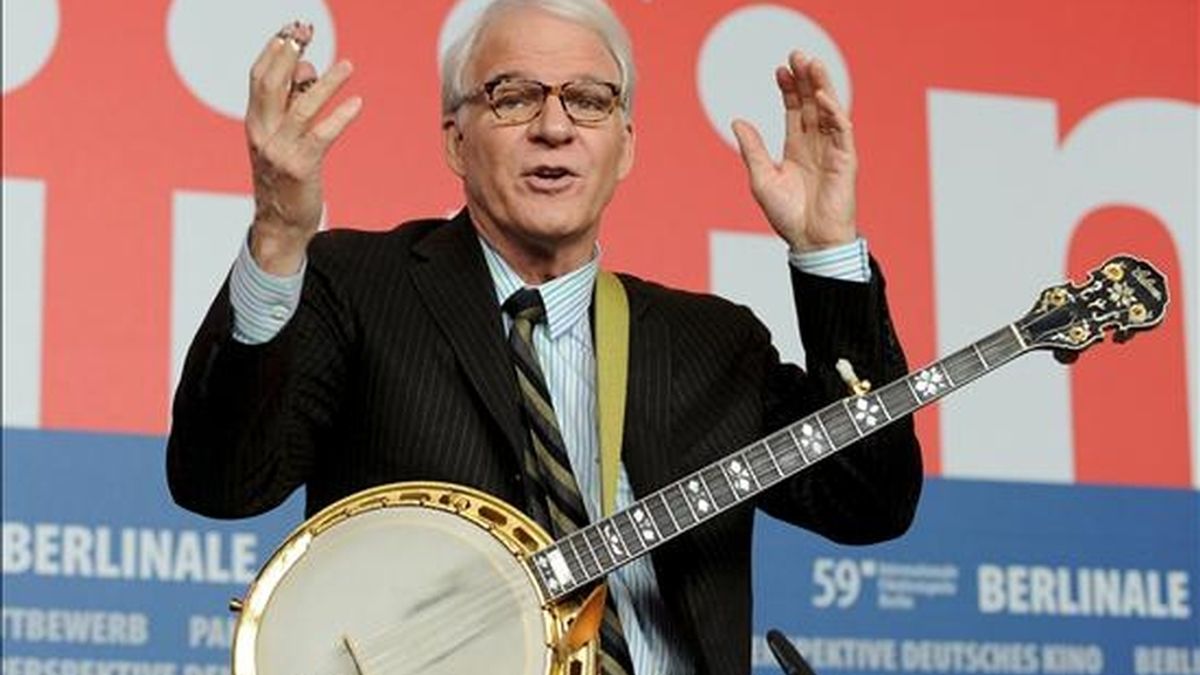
x=1123, y=295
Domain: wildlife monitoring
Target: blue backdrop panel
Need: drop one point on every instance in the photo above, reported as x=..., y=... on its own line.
x=996, y=578
x=102, y=571
x=101, y=568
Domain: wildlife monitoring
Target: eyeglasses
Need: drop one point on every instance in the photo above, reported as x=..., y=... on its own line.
x=517, y=101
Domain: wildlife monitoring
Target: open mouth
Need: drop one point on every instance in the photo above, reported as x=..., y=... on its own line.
x=548, y=178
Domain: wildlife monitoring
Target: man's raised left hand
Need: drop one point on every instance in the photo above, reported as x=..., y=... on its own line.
x=808, y=196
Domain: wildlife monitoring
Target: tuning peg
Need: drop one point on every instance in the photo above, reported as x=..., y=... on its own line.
x=846, y=370
x=1065, y=356
x=1122, y=336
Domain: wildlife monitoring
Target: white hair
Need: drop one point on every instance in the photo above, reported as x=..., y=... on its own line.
x=593, y=14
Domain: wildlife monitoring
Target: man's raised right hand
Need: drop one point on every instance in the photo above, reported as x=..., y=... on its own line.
x=287, y=144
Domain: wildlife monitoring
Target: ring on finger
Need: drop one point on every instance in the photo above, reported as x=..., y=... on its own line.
x=286, y=37
x=296, y=35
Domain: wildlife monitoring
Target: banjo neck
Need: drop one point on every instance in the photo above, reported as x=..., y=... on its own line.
x=1124, y=294
x=592, y=552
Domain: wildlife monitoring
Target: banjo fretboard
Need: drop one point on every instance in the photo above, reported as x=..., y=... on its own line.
x=1125, y=292
x=592, y=552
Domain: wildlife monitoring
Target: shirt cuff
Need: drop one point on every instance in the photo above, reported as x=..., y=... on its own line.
x=849, y=262
x=262, y=302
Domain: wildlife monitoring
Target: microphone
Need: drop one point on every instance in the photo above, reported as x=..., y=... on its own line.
x=785, y=653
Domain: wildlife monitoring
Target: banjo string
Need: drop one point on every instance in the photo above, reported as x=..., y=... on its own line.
x=397, y=649
x=437, y=641
x=380, y=648
x=400, y=645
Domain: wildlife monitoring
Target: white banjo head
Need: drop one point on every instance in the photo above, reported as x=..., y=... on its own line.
x=409, y=578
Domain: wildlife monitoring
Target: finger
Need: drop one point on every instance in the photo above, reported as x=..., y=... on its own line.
x=306, y=106
x=821, y=79
x=279, y=39
x=270, y=90
x=329, y=129
x=305, y=70
x=301, y=34
x=754, y=152
x=303, y=78
x=801, y=72
x=295, y=38
x=793, y=122
x=259, y=67
x=787, y=88
x=257, y=109
x=834, y=121
x=830, y=110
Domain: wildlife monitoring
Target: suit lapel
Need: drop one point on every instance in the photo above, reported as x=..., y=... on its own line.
x=454, y=284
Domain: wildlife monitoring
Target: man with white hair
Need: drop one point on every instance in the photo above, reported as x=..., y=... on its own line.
x=344, y=360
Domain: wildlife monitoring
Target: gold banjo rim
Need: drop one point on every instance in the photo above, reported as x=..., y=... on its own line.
x=521, y=535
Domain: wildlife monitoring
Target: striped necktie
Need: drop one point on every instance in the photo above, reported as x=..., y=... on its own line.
x=555, y=500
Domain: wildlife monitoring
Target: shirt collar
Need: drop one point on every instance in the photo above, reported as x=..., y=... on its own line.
x=567, y=298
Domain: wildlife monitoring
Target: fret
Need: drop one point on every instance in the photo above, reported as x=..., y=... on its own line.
x=588, y=557
x=591, y=563
x=612, y=540
x=876, y=401
x=1001, y=345
x=965, y=365
x=913, y=390
x=866, y=413
x=838, y=425
x=930, y=383
x=657, y=503
x=766, y=450
x=766, y=470
x=698, y=497
x=899, y=398
x=949, y=377
x=685, y=516
x=634, y=544
x=643, y=520
x=749, y=464
x=1020, y=340
x=581, y=563
x=595, y=540
x=540, y=564
x=741, y=479
x=786, y=451
x=552, y=567
x=850, y=413
x=719, y=486
x=825, y=430
x=992, y=346
x=813, y=441
x=975, y=346
x=574, y=561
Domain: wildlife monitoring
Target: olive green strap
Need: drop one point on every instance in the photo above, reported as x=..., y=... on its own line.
x=612, y=371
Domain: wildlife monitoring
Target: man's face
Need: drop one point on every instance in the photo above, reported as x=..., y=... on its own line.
x=541, y=185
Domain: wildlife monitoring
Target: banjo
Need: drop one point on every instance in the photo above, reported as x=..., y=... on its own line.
x=441, y=579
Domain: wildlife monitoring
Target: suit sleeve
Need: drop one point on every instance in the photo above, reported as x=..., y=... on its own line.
x=867, y=492
x=248, y=419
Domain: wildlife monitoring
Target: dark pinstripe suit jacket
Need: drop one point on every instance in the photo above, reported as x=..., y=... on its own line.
x=394, y=368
